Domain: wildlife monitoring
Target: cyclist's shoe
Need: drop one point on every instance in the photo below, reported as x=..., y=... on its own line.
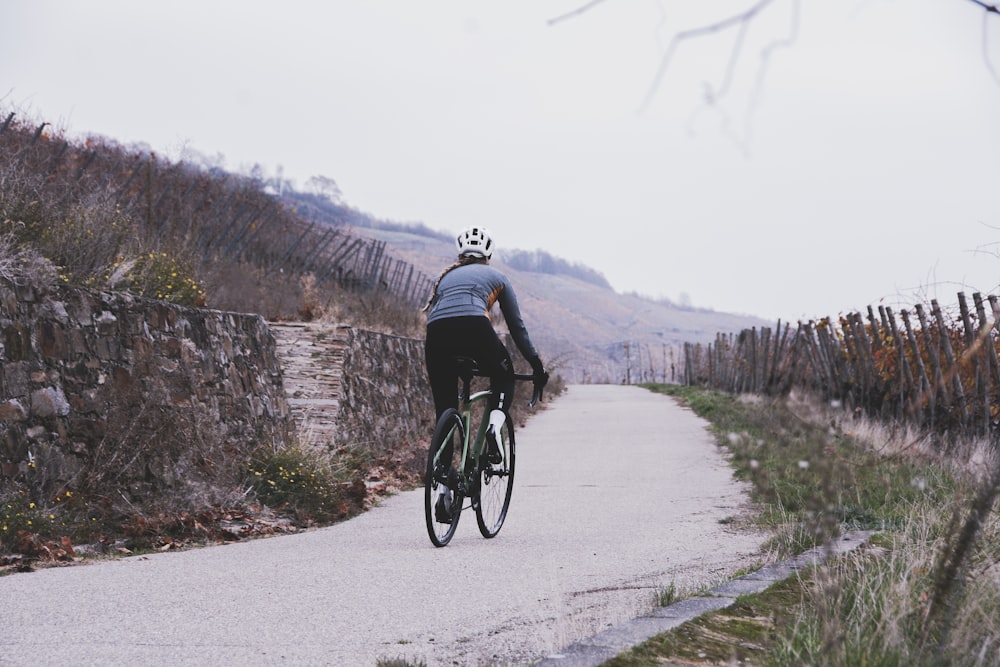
x=497, y=419
x=493, y=454
x=442, y=508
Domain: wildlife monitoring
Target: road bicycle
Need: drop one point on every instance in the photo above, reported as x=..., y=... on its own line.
x=468, y=463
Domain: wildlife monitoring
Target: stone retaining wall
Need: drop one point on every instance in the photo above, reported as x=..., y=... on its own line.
x=348, y=386
x=80, y=367
x=385, y=396
x=76, y=363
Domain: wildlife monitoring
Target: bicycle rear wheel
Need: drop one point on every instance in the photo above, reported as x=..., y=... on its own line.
x=443, y=495
x=495, y=483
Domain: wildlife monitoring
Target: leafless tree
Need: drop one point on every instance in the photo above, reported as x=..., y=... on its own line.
x=325, y=187
x=740, y=23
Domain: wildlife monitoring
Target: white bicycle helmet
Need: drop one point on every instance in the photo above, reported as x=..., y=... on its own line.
x=475, y=241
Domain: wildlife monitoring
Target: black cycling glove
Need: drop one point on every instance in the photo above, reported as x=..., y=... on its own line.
x=541, y=377
x=536, y=365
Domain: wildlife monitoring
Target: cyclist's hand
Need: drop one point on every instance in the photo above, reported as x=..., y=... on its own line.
x=540, y=380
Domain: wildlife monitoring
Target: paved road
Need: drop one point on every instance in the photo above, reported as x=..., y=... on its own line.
x=619, y=493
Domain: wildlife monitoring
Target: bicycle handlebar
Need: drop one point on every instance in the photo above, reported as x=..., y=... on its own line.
x=468, y=369
x=536, y=395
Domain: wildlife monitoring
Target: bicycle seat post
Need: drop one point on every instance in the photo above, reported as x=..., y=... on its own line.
x=466, y=370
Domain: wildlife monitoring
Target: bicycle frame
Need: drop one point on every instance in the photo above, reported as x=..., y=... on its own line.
x=467, y=403
x=472, y=445
x=470, y=470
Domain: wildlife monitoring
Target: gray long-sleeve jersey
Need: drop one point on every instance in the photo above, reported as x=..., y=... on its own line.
x=472, y=290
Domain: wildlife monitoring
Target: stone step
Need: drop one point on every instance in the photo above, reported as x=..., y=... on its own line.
x=312, y=356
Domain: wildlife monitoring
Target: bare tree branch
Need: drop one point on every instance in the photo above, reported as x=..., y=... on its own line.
x=734, y=56
x=741, y=20
x=576, y=12
x=990, y=9
x=986, y=44
x=767, y=52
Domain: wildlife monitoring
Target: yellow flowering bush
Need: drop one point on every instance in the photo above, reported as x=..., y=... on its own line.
x=296, y=480
x=159, y=275
x=19, y=513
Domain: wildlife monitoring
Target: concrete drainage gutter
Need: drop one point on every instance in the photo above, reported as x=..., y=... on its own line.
x=605, y=645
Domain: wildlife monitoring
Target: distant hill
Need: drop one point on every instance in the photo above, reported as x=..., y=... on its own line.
x=539, y=261
x=577, y=321
x=321, y=208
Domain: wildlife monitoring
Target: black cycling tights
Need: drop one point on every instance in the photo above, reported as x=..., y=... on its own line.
x=466, y=337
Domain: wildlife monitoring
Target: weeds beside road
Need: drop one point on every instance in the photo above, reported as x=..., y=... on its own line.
x=814, y=473
x=272, y=492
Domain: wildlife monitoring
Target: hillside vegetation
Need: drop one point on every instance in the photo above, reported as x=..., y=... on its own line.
x=114, y=217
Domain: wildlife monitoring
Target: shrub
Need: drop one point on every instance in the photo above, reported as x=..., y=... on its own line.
x=25, y=518
x=307, y=484
x=159, y=275
x=19, y=514
x=20, y=263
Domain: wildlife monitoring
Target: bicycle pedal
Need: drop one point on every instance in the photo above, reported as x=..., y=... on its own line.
x=442, y=509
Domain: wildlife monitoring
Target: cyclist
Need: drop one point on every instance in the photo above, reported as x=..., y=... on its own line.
x=458, y=324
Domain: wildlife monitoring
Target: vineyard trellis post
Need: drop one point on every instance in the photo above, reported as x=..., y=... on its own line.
x=954, y=372
x=925, y=394
x=916, y=366
x=907, y=388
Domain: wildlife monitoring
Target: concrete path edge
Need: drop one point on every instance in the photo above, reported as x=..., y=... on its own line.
x=606, y=645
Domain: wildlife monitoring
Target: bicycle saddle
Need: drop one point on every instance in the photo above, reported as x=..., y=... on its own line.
x=467, y=367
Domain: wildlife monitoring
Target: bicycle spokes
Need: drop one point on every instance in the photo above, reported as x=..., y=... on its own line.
x=443, y=490
x=465, y=462
x=494, y=483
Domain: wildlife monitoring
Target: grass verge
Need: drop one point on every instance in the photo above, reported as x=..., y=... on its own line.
x=815, y=473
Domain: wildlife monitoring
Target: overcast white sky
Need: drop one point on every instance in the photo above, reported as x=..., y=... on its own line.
x=861, y=163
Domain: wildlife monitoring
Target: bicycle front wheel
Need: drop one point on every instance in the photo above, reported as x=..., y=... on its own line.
x=496, y=480
x=443, y=494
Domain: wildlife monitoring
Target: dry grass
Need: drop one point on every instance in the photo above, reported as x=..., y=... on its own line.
x=20, y=264
x=932, y=594
x=925, y=592
x=872, y=608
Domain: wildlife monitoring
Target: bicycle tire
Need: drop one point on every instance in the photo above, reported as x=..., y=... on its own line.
x=448, y=428
x=494, y=485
